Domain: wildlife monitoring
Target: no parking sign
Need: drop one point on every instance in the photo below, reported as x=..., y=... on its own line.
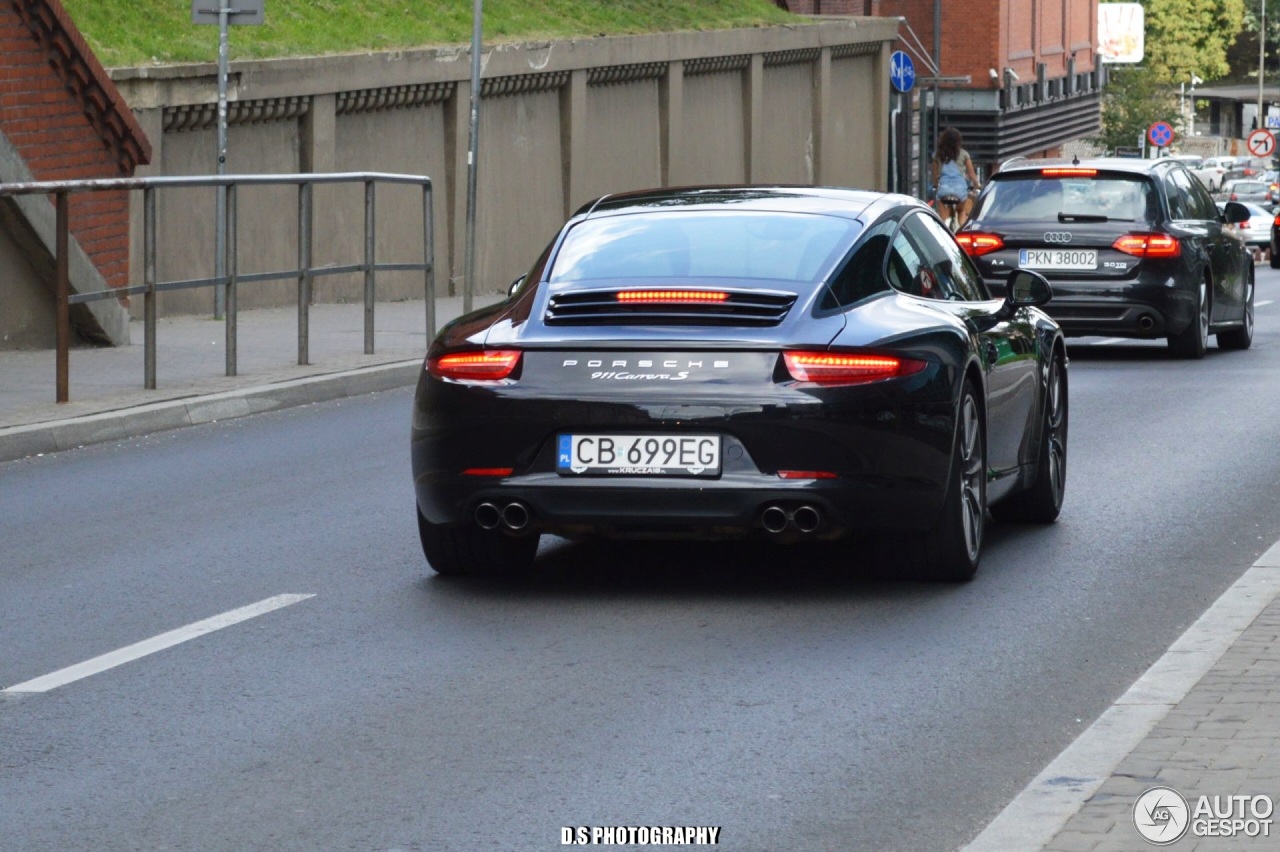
x=1160, y=134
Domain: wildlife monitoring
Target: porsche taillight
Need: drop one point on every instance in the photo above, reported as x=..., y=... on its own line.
x=671, y=297
x=1158, y=246
x=487, y=366
x=976, y=243
x=847, y=368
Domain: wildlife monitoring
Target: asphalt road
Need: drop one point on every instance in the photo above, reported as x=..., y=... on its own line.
x=799, y=699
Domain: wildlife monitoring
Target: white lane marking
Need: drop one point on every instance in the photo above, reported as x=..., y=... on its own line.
x=1039, y=812
x=1108, y=341
x=132, y=652
x=1264, y=303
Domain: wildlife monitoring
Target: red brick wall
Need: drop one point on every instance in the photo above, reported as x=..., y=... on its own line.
x=978, y=35
x=48, y=125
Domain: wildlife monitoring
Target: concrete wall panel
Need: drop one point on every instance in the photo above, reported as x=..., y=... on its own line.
x=27, y=321
x=787, y=155
x=406, y=141
x=712, y=150
x=268, y=217
x=624, y=145
x=853, y=157
x=519, y=194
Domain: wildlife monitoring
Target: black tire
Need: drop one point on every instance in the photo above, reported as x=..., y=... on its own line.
x=952, y=550
x=1194, y=339
x=1242, y=337
x=1275, y=260
x=459, y=550
x=1041, y=503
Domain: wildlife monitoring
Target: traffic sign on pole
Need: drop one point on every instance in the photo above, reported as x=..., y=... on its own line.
x=902, y=71
x=1261, y=143
x=1160, y=134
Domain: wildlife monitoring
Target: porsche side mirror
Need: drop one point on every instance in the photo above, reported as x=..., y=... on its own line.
x=1026, y=289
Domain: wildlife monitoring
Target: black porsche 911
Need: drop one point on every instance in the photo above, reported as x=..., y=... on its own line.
x=784, y=363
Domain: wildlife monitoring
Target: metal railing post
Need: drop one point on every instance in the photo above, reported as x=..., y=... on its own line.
x=230, y=266
x=369, y=249
x=62, y=272
x=149, y=281
x=428, y=258
x=304, y=273
x=65, y=300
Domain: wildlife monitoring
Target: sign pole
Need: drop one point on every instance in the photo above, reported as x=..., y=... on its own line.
x=243, y=12
x=220, y=206
x=473, y=136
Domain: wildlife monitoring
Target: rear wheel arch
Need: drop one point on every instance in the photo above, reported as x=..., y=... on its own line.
x=974, y=374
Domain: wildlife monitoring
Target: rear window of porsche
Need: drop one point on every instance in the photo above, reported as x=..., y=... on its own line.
x=794, y=247
x=1130, y=198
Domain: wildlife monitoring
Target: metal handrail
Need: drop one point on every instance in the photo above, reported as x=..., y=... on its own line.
x=304, y=273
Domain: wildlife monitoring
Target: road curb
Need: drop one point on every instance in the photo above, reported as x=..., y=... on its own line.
x=18, y=442
x=1039, y=812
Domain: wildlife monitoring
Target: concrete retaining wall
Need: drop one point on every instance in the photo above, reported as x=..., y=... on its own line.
x=561, y=123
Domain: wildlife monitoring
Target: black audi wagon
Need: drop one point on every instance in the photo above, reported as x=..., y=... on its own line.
x=1133, y=248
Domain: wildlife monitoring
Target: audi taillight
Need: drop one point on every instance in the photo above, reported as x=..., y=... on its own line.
x=1148, y=245
x=847, y=368
x=976, y=243
x=489, y=366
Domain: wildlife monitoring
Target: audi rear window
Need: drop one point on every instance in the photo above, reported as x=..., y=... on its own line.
x=1042, y=198
x=682, y=246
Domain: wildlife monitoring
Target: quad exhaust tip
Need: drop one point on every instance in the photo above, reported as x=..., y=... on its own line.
x=804, y=519
x=488, y=516
x=774, y=519
x=514, y=516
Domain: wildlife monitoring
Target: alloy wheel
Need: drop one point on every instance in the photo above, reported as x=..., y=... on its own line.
x=1204, y=316
x=1055, y=432
x=972, y=478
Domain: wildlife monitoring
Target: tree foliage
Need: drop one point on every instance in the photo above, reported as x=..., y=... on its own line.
x=1186, y=37
x=1133, y=100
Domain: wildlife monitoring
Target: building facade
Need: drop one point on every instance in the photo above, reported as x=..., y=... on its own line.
x=1033, y=78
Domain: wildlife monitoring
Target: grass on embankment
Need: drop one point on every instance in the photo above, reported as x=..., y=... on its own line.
x=141, y=32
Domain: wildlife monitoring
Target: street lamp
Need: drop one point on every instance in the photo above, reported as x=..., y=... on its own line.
x=1262, y=42
x=1195, y=81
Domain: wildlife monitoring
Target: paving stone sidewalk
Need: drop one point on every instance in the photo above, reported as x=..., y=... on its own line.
x=1222, y=739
